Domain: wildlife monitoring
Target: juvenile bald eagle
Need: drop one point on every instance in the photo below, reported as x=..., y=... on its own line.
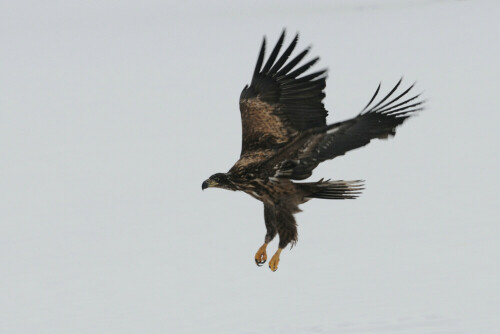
x=285, y=136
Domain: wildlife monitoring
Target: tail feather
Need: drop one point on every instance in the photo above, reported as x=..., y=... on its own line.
x=332, y=189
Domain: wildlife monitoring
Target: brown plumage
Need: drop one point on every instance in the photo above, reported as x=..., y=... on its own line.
x=285, y=136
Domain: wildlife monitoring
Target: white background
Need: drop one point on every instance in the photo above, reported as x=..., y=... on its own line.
x=112, y=113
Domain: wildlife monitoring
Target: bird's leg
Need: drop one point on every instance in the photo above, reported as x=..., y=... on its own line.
x=273, y=264
x=287, y=231
x=261, y=256
x=269, y=218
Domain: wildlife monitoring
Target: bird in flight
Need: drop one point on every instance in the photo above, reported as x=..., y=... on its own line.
x=285, y=136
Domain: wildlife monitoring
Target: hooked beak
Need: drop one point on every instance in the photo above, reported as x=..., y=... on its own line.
x=207, y=184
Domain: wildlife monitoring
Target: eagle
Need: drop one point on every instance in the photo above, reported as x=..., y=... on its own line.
x=285, y=136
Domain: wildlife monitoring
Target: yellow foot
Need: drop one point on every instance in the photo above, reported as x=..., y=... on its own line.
x=273, y=264
x=261, y=256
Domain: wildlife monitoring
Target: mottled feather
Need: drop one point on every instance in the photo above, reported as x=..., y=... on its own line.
x=278, y=105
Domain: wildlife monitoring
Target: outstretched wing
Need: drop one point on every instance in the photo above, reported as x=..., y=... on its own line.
x=280, y=103
x=376, y=120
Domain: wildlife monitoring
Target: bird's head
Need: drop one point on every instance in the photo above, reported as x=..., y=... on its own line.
x=219, y=180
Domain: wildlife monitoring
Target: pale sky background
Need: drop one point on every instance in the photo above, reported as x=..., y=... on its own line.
x=112, y=113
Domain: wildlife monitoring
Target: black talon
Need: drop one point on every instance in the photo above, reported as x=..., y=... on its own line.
x=258, y=263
